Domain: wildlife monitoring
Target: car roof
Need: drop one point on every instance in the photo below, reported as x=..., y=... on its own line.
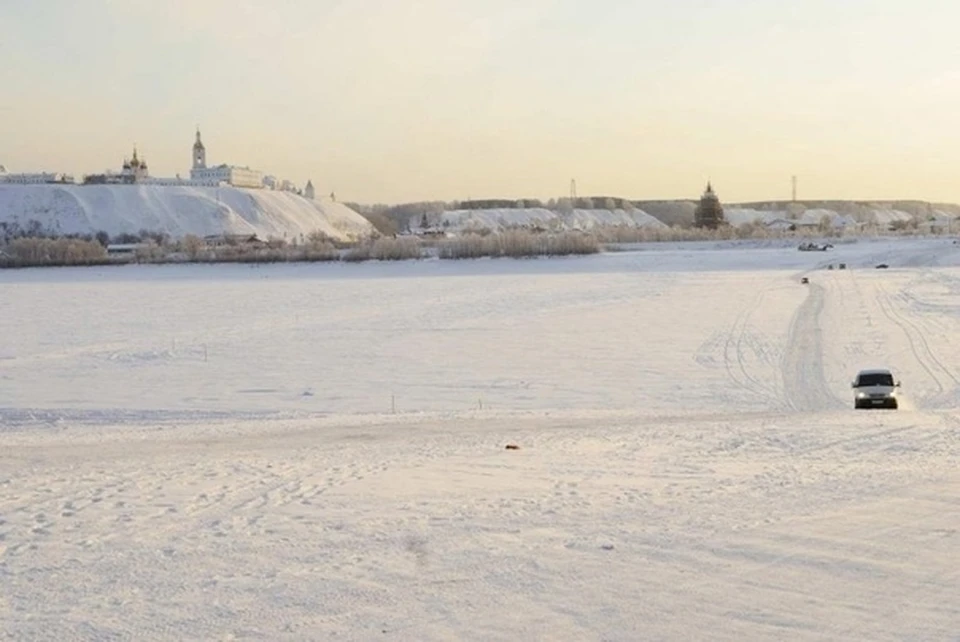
x=873, y=371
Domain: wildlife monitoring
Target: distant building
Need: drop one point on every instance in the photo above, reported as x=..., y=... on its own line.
x=39, y=178
x=308, y=191
x=229, y=174
x=281, y=185
x=199, y=153
x=233, y=240
x=134, y=169
x=709, y=212
x=106, y=178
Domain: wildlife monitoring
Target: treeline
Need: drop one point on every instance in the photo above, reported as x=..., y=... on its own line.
x=32, y=252
x=37, y=252
x=33, y=229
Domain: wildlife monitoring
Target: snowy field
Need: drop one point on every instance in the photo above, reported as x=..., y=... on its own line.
x=317, y=451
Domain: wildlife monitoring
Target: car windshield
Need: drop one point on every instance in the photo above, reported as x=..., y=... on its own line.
x=875, y=379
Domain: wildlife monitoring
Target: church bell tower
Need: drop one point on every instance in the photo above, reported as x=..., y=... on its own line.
x=199, y=153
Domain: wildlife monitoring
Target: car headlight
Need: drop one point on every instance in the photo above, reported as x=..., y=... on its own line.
x=861, y=395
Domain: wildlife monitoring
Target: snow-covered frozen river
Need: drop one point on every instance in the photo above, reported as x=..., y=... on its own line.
x=310, y=451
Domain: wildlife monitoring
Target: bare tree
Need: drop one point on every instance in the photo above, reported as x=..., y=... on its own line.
x=192, y=245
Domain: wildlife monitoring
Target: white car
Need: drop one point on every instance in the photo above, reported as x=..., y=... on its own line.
x=875, y=389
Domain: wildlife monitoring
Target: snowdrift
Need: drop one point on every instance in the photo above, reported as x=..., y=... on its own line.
x=457, y=221
x=178, y=211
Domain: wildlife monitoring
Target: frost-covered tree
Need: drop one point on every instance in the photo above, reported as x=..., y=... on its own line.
x=192, y=245
x=825, y=224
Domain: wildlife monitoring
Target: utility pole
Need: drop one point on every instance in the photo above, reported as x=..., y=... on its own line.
x=573, y=189
x=793, y=180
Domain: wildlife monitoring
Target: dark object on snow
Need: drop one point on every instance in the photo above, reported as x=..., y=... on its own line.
x=512, y=447
x=843, y=266
x=830, y=267
x=882, y=266
x=814, y=247
x=804, y=280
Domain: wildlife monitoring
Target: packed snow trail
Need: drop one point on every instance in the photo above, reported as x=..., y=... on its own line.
x=804, y=383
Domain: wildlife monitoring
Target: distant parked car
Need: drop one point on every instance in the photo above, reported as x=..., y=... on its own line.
x=843, y=266
x=875, y=389
x=882, y=266
x=804, y=280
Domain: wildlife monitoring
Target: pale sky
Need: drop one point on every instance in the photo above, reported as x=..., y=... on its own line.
x=399, y=100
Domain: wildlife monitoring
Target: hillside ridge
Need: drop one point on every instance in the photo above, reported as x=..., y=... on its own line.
x=176, y=211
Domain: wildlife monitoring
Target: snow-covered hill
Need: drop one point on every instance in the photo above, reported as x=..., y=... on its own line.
x=178, y=211
x=813, y=217
x=494, y=220
x=841, y=213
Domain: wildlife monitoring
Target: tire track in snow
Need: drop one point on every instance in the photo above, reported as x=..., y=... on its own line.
x=748, y=340
x=942, y=377
x=860, y=439
x=734, y=352
x=734, y=364
x=934, y=359
x=804, y=384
